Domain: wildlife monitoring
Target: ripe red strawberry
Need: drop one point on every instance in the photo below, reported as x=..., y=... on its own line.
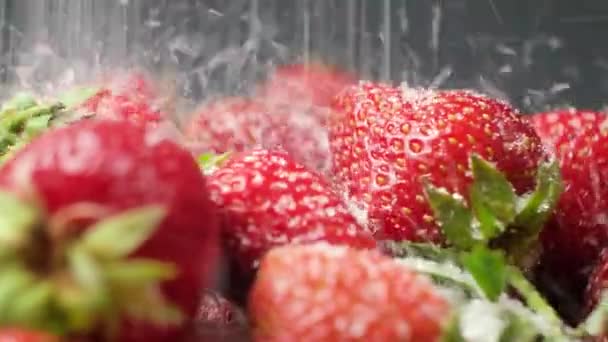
x=306, y=84
x=269, y=200
x=24, y=335
x=335, y=293
x=384, y=140
x=82, y=173
x=238, y=124
x=579, y=229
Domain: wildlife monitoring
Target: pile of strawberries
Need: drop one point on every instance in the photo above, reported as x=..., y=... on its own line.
x=320, y=208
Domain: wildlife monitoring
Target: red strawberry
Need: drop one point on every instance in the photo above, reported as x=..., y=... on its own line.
x=334, y=293
x=579, y=229
x=385, y=140
x=87, y=171
x=23, y=335
x=238, y=124
x=306, y=84
x=269, y=200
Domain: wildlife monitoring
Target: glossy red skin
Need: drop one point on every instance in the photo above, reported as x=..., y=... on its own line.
x=598, y=282
x=239, y=124
x=579, y=228
x=384, y=140
x=329, y=293
x=268, y=200
x=117, y=165
x=23, y=335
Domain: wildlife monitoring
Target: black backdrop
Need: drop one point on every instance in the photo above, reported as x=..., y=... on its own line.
x=536, y=53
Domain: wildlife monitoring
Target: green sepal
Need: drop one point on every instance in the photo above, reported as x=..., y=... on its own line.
x=13, y=280
x=535, y=208
x=14, y=121
x=121, y=234
x=17, y=221
x=75, y=97
x=139, y=271
x=78, y=310
x=32, y=305
x=493, y=191
x=455, y=218
x=209, y=162
x=19, y=101
x=37, y=125
x=489, y=269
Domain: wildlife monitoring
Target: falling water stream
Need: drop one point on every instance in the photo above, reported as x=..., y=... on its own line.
x=223, y=46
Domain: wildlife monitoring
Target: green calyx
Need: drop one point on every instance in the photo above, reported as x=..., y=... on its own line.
x=480, y=284
x=71, y=283
x=23, y=118
x=496, y=216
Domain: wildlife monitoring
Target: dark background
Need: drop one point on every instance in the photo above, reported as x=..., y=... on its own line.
x=536, y=53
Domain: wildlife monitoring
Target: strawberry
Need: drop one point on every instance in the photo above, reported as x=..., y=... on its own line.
x=579, y=229
x=305, y=84
x=268, y=200
x=385, y=141
x=238, y=124
x=111, y=177
x=335, y=293
x=125, y=95
x=24, y=335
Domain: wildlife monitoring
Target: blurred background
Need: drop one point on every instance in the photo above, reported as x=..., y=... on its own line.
x=537, y=54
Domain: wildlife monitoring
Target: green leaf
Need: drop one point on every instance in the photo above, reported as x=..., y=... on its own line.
x=493, y=191
x=86, y=270
x=455, y=219
x=75, y=97
x=489, y=270
x=32, y=305
x=489, y=225
x=79, y=310
x=35, y=126
x=149, y=305
x=120, y=235
x=535, y=209
x=519, y=329
x=13, y=279
x=17, y=221
x=141, y=271
x=209, y=162
x=15, y=121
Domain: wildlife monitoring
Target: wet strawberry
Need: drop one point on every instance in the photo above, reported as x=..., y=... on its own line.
x=385, y=140
x=238, y=124
x=312, y=85
x=90, y=172
x=24, y=335
x=579, y=229
x=335, y=293
x=269, y=200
